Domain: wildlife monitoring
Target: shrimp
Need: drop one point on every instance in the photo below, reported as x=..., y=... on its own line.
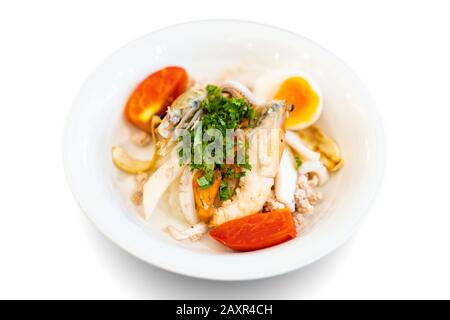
x=256, y=186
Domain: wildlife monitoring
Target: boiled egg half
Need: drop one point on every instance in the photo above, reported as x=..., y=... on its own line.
x=295, y=88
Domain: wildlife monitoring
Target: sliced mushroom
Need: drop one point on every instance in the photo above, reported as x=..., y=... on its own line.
x=315, y=139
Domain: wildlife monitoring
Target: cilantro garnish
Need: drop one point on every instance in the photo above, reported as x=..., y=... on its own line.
x=224, y=191
x=224, y=113
x=203, y=182
x=298, y=162
x=221, y=113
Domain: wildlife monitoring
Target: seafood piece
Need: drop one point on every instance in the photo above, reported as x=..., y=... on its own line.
x=181, y=112
x=186, y=197
x=238, y=90
x=313, y=180
x=286, y=180
x=273, y=204
x=194, y=232
x=204, y=198
x=158, y=183
x=173, y=197
x=315, y=167
x=126, y=163
x=256, y=186
x=318, y=141
x=294, y=141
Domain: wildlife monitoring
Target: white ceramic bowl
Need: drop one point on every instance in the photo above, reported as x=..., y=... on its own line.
x=205, y=49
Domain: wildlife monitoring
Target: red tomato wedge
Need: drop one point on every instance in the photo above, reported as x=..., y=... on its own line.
x=256, y=231
x=153, y=95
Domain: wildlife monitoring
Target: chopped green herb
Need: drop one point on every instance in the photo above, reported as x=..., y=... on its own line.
x=231, y=173
x=203, y=182
x=223, y=114
x=224, y=191
x=298, y=162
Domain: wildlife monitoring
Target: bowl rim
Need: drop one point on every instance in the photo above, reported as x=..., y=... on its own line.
x=377, y=177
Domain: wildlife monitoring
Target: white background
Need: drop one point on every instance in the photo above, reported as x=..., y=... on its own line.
x=401, y=50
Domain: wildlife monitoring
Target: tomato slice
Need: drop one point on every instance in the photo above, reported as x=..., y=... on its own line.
x=153, y=95
x=256, y=231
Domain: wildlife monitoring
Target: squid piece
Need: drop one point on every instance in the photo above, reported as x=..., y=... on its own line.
x=294, y=141
x=186, y=197
x=194, y=232
x=286, y=180
x=238, y=90
x=158, y=183
x=315, y=167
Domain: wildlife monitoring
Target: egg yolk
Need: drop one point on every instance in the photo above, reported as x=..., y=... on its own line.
x=298, y=91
